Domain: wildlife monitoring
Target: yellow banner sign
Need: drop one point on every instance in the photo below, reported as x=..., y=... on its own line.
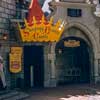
x=15, y=58
x=16, y=50
x=71, y=43
x=41, y=32
x=15, y=63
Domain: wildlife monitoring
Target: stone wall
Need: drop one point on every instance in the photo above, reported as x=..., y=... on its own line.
x=7, y=11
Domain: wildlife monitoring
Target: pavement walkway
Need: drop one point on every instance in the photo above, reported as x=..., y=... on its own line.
x=69, y=92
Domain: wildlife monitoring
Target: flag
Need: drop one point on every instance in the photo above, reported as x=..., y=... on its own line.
x=45, y=7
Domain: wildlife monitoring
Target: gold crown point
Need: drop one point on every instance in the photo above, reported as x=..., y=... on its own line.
x=58, y=23
x=51, y=20
x=26, y=23
x=43, y=19
x=19, y=26
x=34, y=20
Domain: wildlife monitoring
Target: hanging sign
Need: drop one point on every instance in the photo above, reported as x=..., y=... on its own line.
x=41, y=31
x=71, y=43
x=15, y=63
x=15, y=59
x=16, y=50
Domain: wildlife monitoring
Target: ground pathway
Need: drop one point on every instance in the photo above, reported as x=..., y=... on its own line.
x=68, y=92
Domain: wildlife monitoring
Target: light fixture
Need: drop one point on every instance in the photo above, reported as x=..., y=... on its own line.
x=59, y=28
x=62, y=25
x=5, y=36
x=59, y=51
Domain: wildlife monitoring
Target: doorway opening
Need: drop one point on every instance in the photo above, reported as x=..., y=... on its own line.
x=72, y=61
x=33, y=66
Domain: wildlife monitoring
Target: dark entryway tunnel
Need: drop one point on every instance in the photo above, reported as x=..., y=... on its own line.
x=72, y=61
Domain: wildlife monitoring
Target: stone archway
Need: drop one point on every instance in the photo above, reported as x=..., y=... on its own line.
x=86, y=32
x=88, y=37
x=72, y=61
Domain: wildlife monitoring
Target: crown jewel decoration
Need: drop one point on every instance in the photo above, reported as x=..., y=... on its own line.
x=41, y=31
